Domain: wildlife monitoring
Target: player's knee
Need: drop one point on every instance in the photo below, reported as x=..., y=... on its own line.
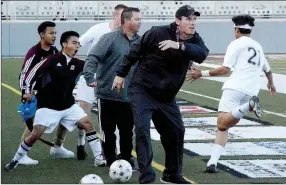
x=86, y=124
x=222, y=127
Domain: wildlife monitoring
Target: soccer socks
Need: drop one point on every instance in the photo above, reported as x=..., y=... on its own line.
x=94, y=143
x=216, y=153
x=22, y=151
x=81, y=137
x=241, y=111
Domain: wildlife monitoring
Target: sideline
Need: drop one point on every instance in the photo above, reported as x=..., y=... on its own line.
x=154, y=164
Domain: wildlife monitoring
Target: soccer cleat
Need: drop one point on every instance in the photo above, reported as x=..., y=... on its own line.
x=26, y=160
x=255, y=106
x=11, y=166
x=173, y=180
x=211, y=169
x=81, y=154
x=60, y=152
x=99, y=161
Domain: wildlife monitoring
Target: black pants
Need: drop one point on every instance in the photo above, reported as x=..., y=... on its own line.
x=168, y=122
x=112, y=113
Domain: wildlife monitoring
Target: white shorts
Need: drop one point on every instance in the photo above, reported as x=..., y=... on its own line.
x=84, y=92
x=231, y=99
x=51, y=118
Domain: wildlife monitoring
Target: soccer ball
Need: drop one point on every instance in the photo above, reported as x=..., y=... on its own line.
x=91, y=179
x=120, y=171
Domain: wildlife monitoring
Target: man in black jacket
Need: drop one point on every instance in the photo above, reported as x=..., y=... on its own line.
x=164, y=54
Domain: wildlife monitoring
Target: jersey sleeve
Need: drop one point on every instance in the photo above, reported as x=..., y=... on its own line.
x=88, y=37
x=230, y=56
x=266, y=66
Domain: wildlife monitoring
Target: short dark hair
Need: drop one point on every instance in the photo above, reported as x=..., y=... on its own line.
x=127, y=13
x=242, y=20
x=43, y=26
x=66, y=35
x=120, y=6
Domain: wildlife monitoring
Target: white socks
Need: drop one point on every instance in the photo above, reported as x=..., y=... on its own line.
x=22, y=151
x=94, y=143
x=81, y=137
x=215, y=155
x=240, y=111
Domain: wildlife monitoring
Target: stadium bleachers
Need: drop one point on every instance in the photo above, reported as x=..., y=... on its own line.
x=156, y=10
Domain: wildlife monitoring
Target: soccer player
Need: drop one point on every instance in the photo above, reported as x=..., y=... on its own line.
x=85, y=94
x=113, y=109
x=245, y=56
x=164, y=54
x=35, y=54
x=55, y=99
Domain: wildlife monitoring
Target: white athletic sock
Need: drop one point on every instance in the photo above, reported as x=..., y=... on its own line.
x=81, y=137
x=240, y=111
x=22, y=151
x=94, y=143
x=216, y=153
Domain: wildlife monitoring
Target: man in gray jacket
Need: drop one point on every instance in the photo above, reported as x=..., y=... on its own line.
x=114, y=109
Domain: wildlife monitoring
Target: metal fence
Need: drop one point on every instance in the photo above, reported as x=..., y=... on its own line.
x=151, y=10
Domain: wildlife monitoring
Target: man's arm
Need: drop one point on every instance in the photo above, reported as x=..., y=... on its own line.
x=29, y=59
x=95, y=56
x=198, y=51
x=267, y=70
x=36, y=72
x=87, y=37
x=135, y=53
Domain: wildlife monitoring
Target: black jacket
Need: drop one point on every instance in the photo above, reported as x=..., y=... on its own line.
x=58, y=81
x=162, y=73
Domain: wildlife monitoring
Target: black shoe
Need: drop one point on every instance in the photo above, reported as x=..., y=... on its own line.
x=11, y=166
x=81, y=154
x=173, y=180
x=211, y=169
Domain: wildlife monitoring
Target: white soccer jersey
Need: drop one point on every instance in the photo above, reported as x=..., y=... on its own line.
x=245, y=56
x=93, y=34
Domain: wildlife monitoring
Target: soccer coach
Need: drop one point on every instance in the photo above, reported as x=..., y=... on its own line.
x=164, y=54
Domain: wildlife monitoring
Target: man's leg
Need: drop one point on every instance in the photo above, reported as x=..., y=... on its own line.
x=125, y=125
x=76, y=117
x=107, y=114
x=25, y=146
x=59, y=151
x=46, y=120
x=142, y=108
x=26, y=160
x=226, y=120
x=168, y=122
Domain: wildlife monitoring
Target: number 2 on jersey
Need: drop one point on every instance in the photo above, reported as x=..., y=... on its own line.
x=250, y=60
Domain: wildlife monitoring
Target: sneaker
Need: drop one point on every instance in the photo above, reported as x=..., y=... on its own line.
x=99, y=161
x=81, y=154
x=211, y=169
x=11, y=166
x=133, y=165
x=173, y=180
x=26, y=160
x=60, y=152
x=255, y=106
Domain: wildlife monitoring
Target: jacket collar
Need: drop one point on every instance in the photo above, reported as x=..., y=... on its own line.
x=135, y=36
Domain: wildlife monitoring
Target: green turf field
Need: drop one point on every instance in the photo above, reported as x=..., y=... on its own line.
x=71, y=171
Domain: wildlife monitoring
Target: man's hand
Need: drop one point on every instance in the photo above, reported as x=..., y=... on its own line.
x=272, y=89
x=118, y=83
x=93, y=84
x=195, y=74
x=27, y=96
x=166, y=44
